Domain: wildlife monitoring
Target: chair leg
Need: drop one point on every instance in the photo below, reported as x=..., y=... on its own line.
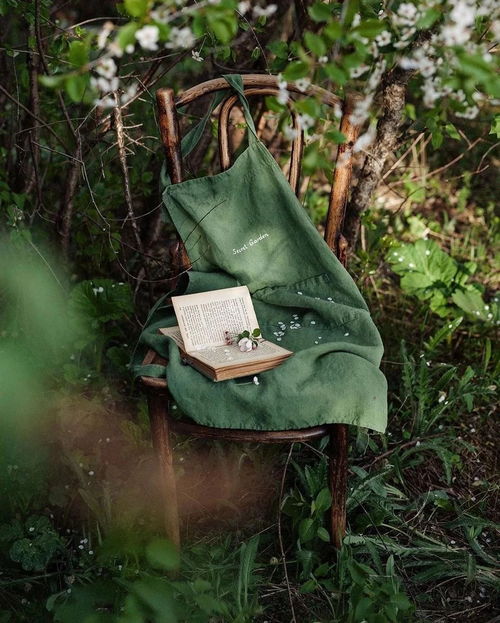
x=158, y=409
x=337, y=454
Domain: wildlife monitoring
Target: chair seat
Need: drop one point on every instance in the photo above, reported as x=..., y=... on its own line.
x=186, y=427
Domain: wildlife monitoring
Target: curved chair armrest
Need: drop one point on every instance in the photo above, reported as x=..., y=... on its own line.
x=150, y=381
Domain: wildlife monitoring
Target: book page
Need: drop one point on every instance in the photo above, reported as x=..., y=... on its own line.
x=175, y=334
x=224, y=356
x=204, y=317
x=228, y=356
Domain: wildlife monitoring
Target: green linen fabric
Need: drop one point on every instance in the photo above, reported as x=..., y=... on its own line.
x=245, y=226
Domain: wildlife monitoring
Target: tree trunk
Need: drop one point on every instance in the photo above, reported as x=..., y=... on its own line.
x=393, y=97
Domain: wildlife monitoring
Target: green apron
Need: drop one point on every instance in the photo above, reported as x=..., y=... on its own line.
x=245, y=226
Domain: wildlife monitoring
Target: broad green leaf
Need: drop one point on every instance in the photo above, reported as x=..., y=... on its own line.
x=308, y=587
x=323, y=534
x=472, y=302
x=76, y=87
x=279, y=48
x=451, y=130
x=223, y=25
x=315, y=43
x=323, y=500
x=422, y=265
x=333, y=30
x=157, y=595
x=78, y=54
x=136, y=8
x=477, y=67
x=126, y=34
x=296, y=70
x=162, y=554
x=370, y=28
x=495, y=126
x=320, y=12
x=336, y=136
x=437, y=138
x=335, y=73
x=306, y=530
x=359, y=572
x=53, y=82
x=428, y=18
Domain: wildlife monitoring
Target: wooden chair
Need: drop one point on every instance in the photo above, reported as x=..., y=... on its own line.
x=162, y=424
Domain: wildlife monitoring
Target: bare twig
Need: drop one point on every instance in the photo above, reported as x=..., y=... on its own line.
x=34, y=116
x=120, y=138
x=65, y=215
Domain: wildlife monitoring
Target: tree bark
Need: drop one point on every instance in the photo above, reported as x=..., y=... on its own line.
x=393, y=97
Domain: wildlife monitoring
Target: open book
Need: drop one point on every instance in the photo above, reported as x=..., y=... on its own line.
x=205, y=318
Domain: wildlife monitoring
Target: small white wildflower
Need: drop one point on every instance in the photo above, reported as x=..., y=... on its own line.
x=359, y=71
x=384, y=38
x=267, y=11
x=356, y=20
x=283, y=94
x=361, y=108
x=245, y=345
x=417, y=444
x=91, y=473
x=104, y=85
x=376, y=75
x=455, y=34
x=161, y=14
x=104, y=34
x=406, y=13
x=243, y=7
x=129, y=49
x=32, y=529
x=322, y=60
x=305, y=121
x=302, y=84
x=106, y=68
x=365, y=140
x=195, y=55
x=255, y=380
x=290, y=133
x=346, y=334
x=463, y=13
x=148, y=36
x=126, y=97
x=180, y=38
x=114, y=49
x=469, y=113
x=442, y=397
